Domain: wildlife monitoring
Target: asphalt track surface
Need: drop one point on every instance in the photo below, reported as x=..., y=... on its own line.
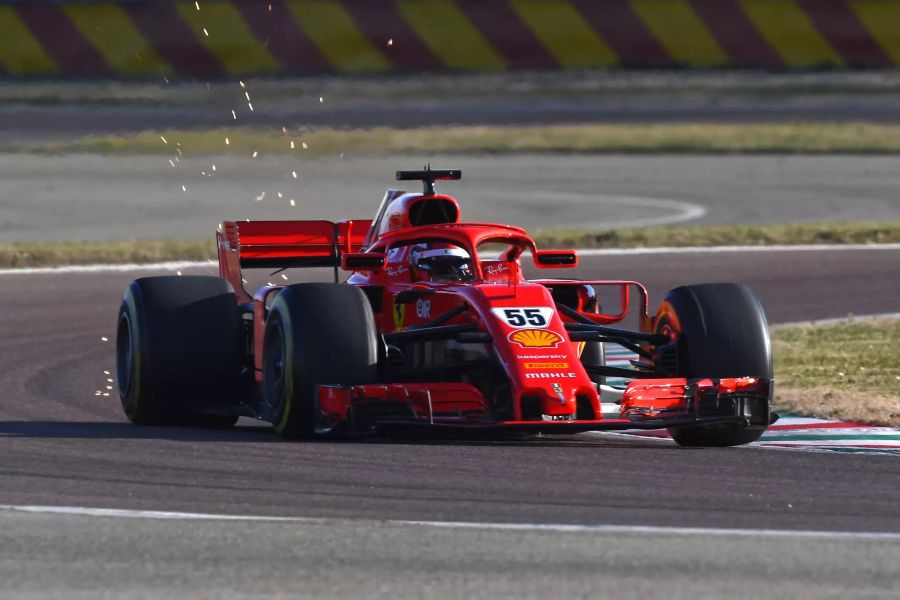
x=84, y=197
x=53, y=110
x=64, y=446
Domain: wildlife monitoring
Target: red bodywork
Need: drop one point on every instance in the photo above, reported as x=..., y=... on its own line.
x=549, y=388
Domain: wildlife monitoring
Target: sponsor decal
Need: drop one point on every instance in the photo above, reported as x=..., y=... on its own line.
x=496, y=269
x=541, y=356
x=535, y=338
x=551, y=375
x=526, y=317
x=558, y=417
x=394, y=271
x=423, y=309
x=547, y=365
x=398, y=315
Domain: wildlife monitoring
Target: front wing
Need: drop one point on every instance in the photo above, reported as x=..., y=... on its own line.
x=459, y=407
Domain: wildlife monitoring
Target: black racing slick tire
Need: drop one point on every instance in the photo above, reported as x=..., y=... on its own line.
x=720, y=330
x=316, y=334
x=178, y=351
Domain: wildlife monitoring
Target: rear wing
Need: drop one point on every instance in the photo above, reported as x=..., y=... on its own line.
x=285, y=244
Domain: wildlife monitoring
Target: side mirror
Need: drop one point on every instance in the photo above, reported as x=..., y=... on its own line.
x=555, y=259
x=363, y=261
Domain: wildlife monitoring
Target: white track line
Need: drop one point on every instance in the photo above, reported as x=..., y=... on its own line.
x=559, y=528
x=173, y=266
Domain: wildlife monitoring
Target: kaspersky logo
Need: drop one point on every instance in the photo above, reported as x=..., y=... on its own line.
x=550, y=375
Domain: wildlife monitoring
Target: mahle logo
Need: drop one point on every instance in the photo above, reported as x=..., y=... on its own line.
x=551, y=375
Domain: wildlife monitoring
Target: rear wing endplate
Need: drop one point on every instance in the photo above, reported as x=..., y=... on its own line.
x=285, y=245
x=290, y=244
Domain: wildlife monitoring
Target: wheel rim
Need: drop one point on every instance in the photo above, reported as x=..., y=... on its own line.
x=124, y=354
x=274, y=368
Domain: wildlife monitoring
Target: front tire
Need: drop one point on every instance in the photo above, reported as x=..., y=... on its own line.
x=178, y=351
x=720, y=331
x=316, y=334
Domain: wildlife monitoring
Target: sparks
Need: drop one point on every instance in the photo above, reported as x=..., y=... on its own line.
x=214, y=167
x=205, y=32
x=293, y=203
x=292, y=144
x=234, y=115
x=390, y=42
x=321, y=99
x=178, y=273
x=227, y=141
x=294, y=173
x=183, y=188
x=243, y=85
x=247, y=96
x=260, y=196
x=171, y=162
x=197, y=4
x=163, y=138
x=283, y=276
x=251, y=106
x=305, y=145
x=103, y=338
x=255, y=154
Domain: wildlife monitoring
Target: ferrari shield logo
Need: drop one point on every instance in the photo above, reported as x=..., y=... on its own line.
x=398, y=315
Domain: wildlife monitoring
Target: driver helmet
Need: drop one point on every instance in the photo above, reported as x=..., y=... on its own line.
x=442, y=264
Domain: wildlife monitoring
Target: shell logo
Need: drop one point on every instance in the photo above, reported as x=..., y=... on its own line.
x=535, y=338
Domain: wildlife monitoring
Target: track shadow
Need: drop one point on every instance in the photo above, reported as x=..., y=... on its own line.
x=105, y=430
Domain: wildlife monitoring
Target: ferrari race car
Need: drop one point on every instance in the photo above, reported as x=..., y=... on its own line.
x=435, y=329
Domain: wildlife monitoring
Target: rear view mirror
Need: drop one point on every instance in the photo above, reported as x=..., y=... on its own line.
x=363, y=261
x=555, y=259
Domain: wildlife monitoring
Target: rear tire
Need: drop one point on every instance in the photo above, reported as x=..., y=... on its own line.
x=316, y=334
x=178, y=351
x=721, y=331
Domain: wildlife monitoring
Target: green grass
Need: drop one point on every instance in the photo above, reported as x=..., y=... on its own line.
x=42, y=254
x=661, y=138
x=875, y=232
x=848, y=371
x=47, y=254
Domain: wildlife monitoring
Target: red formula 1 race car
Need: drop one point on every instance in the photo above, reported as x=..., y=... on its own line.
x=435, y=329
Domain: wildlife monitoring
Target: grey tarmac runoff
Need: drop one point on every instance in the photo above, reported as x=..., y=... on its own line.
x=64, y=446
x=86, y=197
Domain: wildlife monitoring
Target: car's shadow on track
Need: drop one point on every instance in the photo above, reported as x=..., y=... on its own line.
x=120, y=430
x=106, y=430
